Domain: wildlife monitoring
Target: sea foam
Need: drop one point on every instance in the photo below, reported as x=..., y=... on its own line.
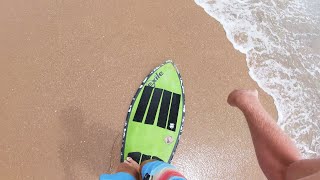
x=281, y=40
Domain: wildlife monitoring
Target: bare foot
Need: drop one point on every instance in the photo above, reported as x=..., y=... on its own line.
x=130, y=166
x=241, y=97
x=132, y=163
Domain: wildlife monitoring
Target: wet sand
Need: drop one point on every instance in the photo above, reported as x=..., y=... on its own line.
x=68, y=71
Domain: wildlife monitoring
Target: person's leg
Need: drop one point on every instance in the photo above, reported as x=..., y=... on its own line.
x=159, y=170
x=130, y=166
x=307, y=169
x=150, y=169
x=315, y=176
x=128, y=170
x=274, y=149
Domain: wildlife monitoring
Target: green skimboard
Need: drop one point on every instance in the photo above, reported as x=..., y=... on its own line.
x=155, y=117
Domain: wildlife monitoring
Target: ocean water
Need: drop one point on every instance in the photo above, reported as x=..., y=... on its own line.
x=281, y=40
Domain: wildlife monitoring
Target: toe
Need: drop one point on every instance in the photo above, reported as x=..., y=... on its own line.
x=127, y=162
x=129, y=159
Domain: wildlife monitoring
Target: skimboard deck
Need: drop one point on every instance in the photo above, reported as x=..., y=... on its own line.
x=155, y=117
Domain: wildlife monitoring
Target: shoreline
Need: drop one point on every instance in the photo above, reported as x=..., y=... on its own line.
x=268, y=65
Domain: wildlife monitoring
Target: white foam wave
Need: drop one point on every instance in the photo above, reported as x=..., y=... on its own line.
x=281, y=40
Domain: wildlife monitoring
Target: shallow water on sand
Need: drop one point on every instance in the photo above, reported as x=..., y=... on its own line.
x=281, y=40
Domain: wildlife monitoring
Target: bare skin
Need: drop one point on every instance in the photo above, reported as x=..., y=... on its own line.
x=130, y=166
x=278, y=157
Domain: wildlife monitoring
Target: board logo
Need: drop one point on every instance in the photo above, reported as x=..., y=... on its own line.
x=168, y=140
x=155, y=79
